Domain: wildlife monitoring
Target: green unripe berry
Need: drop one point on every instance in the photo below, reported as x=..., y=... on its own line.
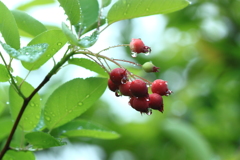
x=149, y=67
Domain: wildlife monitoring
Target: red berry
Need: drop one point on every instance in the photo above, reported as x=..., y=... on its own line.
x=137, y=46
x=125, y=89
x=140, y=104
x=156, y=102
x=160, y=87
x=118, y=75
x=112, y=86
x=139, y=88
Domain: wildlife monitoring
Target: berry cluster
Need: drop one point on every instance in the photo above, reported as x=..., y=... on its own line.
x=122, y=82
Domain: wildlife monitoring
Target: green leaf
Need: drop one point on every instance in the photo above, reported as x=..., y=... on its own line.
x=32, y=113
x=69, y=34
x=82, y=128
x=26, y=54
x=105, y=3
x=188, y=138
x=55, y=39
x=35, y=3
x=8, y=27
x=89, y=14
x=72, y=99
x=4, y=76
x=17, y=155
x=28, y=24
x=6, y=126
x=42, y=140
x=88, y=41
x=127, y=9
x=72, y=10
x=88, y=64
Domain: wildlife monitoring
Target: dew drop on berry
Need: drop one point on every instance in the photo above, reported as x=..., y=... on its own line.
x=117, y=93
x=149, y=112
x=134, y=54
x=147, y=53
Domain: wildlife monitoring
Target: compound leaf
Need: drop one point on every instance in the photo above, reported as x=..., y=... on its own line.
x=32, y=113
x=72, y=10
x=72, y=99
x=127, y=9
x=88, y=64
x=55, y=40
x=8, y=27
x=42, y=140
x=83, y=128
x=27, y=23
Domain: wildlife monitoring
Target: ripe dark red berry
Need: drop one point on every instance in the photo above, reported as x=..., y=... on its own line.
x=118, y=76
x=112, y=86
x=160, y=87
x=140, y=104
x=125, y=89
x=156, y=102
x=139, y=88
x=137, y=46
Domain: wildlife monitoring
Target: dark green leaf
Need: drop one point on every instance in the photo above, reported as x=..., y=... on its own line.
x=27, y=54
x=105, y=3
x=18, y=155
x=32, y=113
x=72, y=10
x=72, y=99
x=89, y=14
x=82, y=128
x=88, y=64
x=8, y=27
x=34, y=3
x=88, y=41
x=188, y=138
x=69, y=34
x=6, y=125
x=55, y=39
x=28, y=24
x=4, y=76
x=127, y=9
x=42, y=140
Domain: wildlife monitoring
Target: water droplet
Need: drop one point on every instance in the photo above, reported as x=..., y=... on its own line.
x=149, y=112
x=37, y=116
x=117, y=93
x=147, y=53
x=147, y=99
x=80, y=103
x=87, y=96
x=32, y=104
x=59, y=43
x=53, y=49
x=48, y=55
x=48, y=118
x=147, y=9
x=134, y=54
x=124, y=80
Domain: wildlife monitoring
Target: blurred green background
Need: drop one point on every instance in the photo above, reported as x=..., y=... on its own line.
x=198, y=52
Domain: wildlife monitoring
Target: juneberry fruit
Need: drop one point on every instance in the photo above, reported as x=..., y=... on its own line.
x=118, y=76
x=112, y=86
x=139, y=88
x=140, y=104
x=160, y=87
x=125, y=89
x=137, y=46
x=156, y=102
x=149, y=67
